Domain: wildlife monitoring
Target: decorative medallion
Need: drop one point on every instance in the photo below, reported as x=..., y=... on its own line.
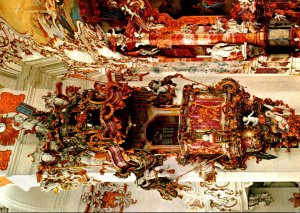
x=8, y=104
x=8, y=134
x=107, y=197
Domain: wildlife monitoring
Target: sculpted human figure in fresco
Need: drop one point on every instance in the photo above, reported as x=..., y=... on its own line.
x=29, y=124
x=250, y=119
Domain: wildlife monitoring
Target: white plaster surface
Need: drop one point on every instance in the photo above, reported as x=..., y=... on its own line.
x=280, y=198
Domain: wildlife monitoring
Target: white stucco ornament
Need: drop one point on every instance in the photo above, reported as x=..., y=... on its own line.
x=2, y=127
x=80, y=56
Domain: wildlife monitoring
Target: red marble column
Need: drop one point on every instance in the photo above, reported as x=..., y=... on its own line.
x=179, y=39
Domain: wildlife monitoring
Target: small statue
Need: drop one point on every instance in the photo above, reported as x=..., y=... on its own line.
x=150, y=25
x=157, y=87
x=281, y=121
x=222, y=50
x=117, y=40
x=279, y=17
x=53, y=101
x=48, y=158
x=250, y=119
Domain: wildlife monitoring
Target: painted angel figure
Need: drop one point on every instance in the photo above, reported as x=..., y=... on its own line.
x=278, y=113
x=250, y=119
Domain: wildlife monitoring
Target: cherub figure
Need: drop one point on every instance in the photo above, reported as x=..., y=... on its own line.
x=162, y=171
x=250, y=119
x=130, y=12
x=279, y=17
x=281, y=121
x=30, y=124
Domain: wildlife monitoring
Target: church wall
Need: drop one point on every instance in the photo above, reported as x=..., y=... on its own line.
x=17, y=200
x=7, y=82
